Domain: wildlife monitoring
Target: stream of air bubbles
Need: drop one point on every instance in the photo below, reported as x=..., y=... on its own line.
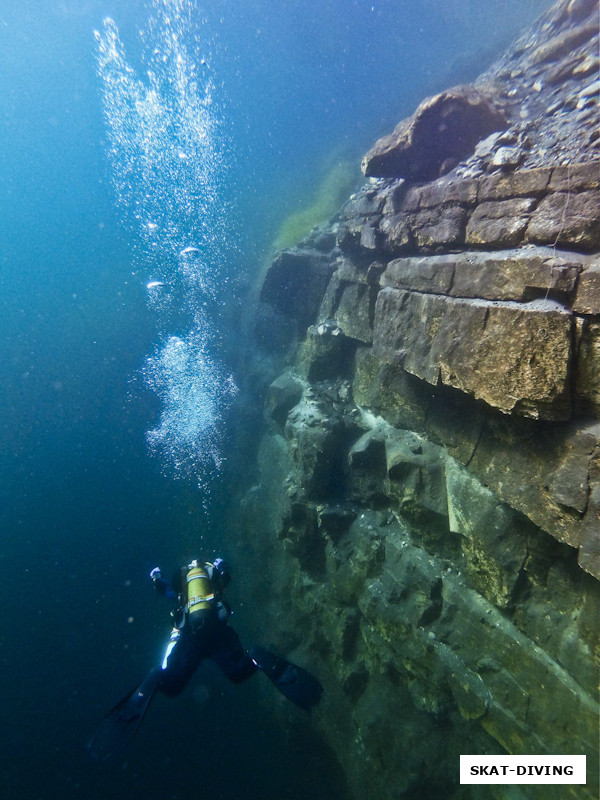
x=166, y=152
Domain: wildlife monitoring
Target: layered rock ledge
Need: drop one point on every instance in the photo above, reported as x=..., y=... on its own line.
x=516, y=327
x=428, y=484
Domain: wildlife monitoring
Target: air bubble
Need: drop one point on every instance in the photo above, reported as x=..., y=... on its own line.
x=165, y=149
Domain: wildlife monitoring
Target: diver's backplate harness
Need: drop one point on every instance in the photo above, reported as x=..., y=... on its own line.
x=199, y=602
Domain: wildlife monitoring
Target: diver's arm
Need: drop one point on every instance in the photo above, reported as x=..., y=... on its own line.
x=223, y=574
x=161, y=585
x=219, y=575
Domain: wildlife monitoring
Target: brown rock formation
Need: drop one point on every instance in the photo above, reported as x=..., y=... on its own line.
x=429, y=479
x=443, y=129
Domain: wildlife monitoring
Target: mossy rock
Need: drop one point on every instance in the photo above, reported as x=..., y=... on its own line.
x=332, y=192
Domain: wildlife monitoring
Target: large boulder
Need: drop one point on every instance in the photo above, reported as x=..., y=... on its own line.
x=515, y=357
x=444, y=128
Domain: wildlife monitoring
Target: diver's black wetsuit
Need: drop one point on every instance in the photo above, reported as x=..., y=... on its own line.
x=221, y=644
x=215, y=640
x=196, y=635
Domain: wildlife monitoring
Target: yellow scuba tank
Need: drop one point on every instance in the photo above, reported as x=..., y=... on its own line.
x=200, y=595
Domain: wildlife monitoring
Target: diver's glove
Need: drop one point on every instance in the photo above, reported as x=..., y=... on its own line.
x=162, y=586
x=222, y=568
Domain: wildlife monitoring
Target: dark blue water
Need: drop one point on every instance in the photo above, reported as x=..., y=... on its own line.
x=102, y=415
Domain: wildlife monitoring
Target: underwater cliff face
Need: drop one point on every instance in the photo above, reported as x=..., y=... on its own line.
x=428, y=481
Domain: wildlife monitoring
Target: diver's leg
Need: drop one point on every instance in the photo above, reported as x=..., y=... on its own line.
x=181, y=660
x=296, y=683
x=227, y=652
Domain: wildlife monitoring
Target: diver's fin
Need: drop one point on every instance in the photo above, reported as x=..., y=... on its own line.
x=295, y=683
x=121, y=722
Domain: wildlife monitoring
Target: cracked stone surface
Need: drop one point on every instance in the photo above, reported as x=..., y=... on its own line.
x=427, y=484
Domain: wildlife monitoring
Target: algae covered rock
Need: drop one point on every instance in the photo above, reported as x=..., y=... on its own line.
x=580, y=227
x=430, y=477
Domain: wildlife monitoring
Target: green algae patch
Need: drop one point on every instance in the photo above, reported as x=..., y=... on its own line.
x=328, y=198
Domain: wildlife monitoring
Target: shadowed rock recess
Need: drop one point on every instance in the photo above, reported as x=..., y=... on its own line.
x=426, y=500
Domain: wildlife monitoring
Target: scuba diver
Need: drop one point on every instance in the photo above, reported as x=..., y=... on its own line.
x=200, y=631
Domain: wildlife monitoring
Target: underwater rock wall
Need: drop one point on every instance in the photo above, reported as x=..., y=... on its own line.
x=428, y=482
